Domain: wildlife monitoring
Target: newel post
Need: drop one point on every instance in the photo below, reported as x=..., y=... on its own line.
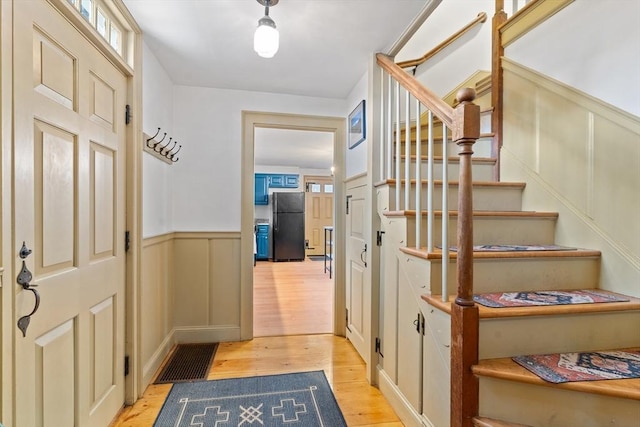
x=464, y=312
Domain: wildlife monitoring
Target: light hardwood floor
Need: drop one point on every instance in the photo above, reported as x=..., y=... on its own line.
x=293, y=299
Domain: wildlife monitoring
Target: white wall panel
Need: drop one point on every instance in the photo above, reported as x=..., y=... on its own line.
x=157, y=195
x=598, y=60
x=207, y=177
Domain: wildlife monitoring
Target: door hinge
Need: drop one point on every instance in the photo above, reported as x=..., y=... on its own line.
x=379, y=238
x=127, y=241
x=348, y=197
x=379, y=347
x=346, y=310
x=419, y=324
x=126, y=366
x=127, y=114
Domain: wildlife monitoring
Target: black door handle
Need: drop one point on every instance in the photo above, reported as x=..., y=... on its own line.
x=24, y=280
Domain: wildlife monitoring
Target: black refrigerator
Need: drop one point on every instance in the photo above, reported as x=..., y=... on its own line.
x=288, y=226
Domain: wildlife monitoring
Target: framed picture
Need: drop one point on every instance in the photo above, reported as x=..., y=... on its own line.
x=357, y=126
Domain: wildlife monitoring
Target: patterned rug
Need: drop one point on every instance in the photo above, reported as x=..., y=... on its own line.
x=300, y=399
x=525, y=299
x=594, y=366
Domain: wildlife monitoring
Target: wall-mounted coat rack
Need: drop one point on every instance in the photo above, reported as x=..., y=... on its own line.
x=165, y=151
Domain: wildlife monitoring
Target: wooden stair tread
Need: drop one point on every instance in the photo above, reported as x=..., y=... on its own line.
x=476, y=184
x=520, y=214
x=437, y=254
x=456, y=159
x=540, y=310
x=490, y=422
x=507, y=369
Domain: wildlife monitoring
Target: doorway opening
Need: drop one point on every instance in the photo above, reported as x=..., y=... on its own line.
x=293, y=291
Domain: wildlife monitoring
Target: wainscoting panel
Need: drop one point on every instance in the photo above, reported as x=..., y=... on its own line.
x=156, y=303
x=190, y=292
x=207, y=280
x=224, y=281
x=580, y=157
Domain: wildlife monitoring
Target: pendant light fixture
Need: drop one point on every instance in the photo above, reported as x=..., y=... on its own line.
x=266, y=40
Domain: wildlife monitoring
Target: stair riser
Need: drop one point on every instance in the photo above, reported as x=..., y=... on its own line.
x=484, y=198
x=481, y=148
x=489, y=230
x=548, y=407
x=504, y=337
x=517, y=274
x=480, y=172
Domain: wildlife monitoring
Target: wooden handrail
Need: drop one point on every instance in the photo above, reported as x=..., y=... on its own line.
x=482, y=17
x=428, y=98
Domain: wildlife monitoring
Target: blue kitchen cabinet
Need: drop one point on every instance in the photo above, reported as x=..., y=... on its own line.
x=261, y=194
x=262, y=241
x=290, y=181
x=283, y=180
x=276, y=180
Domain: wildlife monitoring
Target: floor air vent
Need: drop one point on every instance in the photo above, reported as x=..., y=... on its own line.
x=189, y=362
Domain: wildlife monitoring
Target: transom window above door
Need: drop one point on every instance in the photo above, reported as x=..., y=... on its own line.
x=100, y=16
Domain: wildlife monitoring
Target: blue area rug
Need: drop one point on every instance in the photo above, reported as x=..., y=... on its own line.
x=299, y=399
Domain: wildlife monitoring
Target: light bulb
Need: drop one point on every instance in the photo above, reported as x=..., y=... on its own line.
x=266, y=39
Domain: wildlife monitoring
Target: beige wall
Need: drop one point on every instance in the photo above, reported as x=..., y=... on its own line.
x=189, y=293
x=581, y=158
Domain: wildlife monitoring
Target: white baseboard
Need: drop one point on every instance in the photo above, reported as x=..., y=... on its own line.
x=206, y=334
x=150, y=368
x=406, y=412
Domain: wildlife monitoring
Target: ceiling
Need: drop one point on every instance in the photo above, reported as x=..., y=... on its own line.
x=325, y=47
x=288, y=147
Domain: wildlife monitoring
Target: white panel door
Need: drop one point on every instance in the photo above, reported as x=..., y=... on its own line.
x=69, y=200
x=358, y=282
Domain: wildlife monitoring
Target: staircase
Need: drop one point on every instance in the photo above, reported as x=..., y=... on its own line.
x=509, y=395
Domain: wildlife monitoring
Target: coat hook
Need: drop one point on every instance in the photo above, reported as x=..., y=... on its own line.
x=166, y=152
x=172, y=155
x=158, y=142
x=162, y=147
x=153, y=137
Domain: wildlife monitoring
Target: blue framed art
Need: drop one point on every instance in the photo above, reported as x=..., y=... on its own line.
x=357, y=126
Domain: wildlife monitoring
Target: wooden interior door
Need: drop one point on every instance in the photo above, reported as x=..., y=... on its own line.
x=69, y=204
x=318, y=211
x=357, y=281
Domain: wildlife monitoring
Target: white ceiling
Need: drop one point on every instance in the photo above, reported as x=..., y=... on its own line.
x=325, y=46
x=287, y=147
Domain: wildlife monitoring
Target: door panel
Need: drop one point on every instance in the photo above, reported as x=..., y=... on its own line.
x=55, y=375
x=358, y=286
x=69, y=199
x=55, y=172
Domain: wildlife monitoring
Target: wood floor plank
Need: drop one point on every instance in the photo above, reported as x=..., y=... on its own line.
x=291, y=298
